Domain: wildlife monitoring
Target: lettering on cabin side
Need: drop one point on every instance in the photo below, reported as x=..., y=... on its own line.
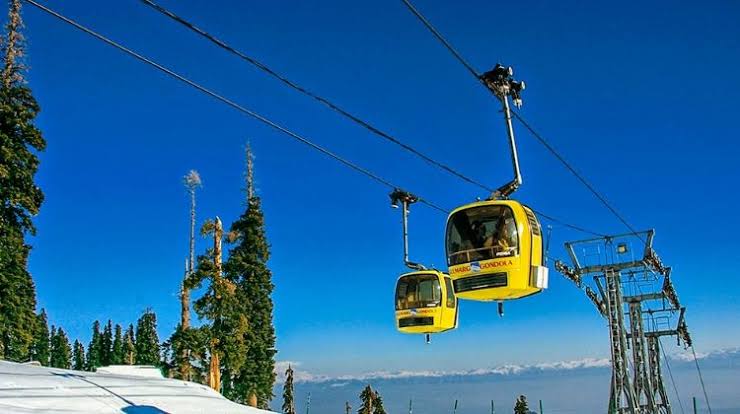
x=481, y=266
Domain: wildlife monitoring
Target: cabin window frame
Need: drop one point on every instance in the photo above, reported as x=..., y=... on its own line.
x=432, y=277
x=450, y=223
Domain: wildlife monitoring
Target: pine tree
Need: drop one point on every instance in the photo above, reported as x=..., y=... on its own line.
x=147, y=341
x=196, y=342
x=20, y=198
x=94, y=348
x=117, y=354
x=40, y=348
x=129, y=347
x=367, y=400
x=78, y=356
x=219, y=305
x=521, y=406
x=106, y=345
x=378, y=404
x=61, y=351
x=52, y=334
x=247, y=268
x=370, y=402
x=288, y=401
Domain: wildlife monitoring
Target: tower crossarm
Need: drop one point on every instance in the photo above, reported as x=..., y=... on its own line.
x=600, y=305
x=569, y=272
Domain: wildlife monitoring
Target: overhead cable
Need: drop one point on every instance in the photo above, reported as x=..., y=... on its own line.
x=226, y=101
x=354, y=118
x=538, y=136
x=282, y=78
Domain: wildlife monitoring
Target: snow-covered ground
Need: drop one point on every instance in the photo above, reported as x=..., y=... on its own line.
x=138, y=390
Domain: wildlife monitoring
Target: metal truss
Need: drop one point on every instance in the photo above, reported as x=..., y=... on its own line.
x=637, y=298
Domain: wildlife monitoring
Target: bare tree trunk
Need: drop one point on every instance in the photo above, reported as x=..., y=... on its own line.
x=192, y=182
x=214, y=374
x=215, y=367
x=252, y=400
x=185, y=296
x=250, y=173
x=218, y=235
x=185, y=324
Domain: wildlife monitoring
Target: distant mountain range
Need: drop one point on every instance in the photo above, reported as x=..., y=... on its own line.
x=579, y=386
x=714, y=358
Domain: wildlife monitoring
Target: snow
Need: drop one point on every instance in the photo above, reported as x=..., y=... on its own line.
x=26, y=388
x=149, y=371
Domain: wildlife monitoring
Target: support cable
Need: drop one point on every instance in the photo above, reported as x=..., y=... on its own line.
x=670, y=374
x=570, y=226
x=298, y=88
x=441, y=38
x=226, y=101
x=701, y=378
x=336, y=108
x=220, y=43
x=277, y=126
x=572, y=169
x=539, y=137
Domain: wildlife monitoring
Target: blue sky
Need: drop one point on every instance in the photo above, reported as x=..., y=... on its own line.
x=641, y=97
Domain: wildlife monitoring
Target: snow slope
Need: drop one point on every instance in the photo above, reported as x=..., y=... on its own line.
x=35, y=389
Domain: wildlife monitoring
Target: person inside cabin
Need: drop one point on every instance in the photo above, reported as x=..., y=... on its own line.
x=505, y=235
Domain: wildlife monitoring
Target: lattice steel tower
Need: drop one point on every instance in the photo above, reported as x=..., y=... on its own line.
x=636, y=297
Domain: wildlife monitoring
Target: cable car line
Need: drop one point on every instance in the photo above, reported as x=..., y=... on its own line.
x=701, y=378
x=539, y=137
x=570, y=226
x=227, y=101
x=336, y=108
x=567, y=165
x=341, y=111
x=670, y=374
x=441, y=38
x=256, y=115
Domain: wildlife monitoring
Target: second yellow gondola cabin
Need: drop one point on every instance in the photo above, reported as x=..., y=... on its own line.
x=425, y=303
x=494, y=251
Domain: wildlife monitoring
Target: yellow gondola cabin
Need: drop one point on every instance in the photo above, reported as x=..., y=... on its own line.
x=425, y=303
x=494, y=251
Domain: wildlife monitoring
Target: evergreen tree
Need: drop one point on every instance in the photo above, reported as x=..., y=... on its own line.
x=117, y=354
x=20, y=198
x=147, y=341
x=247, y=268
x=106, y=345
x=195, y=341
x=129, y=347
x=40, y=348
x=378, y=404
x=219, y=305
x=370, y=402
x=94, y=349
x=367, y=400
x=288, y=401
x=78, y=356
x=521, y=406
x=61, y=351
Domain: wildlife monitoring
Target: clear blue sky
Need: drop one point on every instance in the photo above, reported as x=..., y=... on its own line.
x=641, y=97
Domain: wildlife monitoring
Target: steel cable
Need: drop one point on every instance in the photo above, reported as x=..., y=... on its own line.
x=227, y=101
